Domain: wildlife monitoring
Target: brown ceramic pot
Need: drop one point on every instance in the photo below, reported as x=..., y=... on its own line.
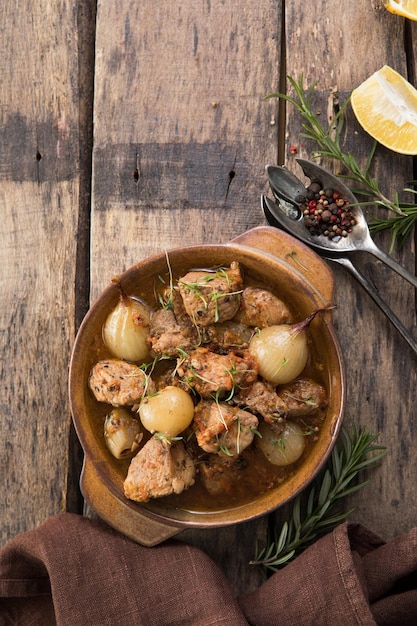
x=301, y=278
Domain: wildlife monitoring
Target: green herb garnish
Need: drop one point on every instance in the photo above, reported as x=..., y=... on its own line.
x=327, y=141
x=318, y=513
x=163, y=437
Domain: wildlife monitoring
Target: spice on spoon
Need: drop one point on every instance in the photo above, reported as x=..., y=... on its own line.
x=326, y=212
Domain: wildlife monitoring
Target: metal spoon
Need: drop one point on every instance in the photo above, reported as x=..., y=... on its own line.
x=348, y=265
x=287, y=189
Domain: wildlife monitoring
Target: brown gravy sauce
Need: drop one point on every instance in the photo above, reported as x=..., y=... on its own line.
x=259, y=475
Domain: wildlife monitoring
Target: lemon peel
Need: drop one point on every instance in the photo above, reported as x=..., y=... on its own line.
x=405, y=8
x=385, y=105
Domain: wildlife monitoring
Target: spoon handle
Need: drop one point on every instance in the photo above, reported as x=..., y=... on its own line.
x=347, y=264
x=389, y=261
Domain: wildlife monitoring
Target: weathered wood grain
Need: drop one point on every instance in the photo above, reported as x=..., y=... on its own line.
x=39, y=206
x=182, y=129
x=339, y=52
x=182, y=133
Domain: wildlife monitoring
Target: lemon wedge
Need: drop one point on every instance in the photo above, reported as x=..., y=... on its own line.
x=386, y=107
x=406, y=8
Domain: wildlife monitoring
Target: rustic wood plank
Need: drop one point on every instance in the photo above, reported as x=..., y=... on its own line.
x=339, y=53
x=39, y=204
x=182, y=130
x=182, y=135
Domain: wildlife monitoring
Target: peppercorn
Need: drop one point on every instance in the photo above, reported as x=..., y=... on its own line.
x=326, y=212
x=300, y=199
x=314, y=187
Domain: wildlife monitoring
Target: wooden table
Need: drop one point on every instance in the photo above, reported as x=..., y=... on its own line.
x=129, y=128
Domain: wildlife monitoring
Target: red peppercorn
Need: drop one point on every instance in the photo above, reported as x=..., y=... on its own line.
x=325, y=212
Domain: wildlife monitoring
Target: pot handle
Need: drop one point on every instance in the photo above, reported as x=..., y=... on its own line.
x=295, y=254
x=121, y=516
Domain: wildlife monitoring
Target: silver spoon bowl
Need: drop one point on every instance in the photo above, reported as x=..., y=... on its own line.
x=345, y=262
x=288, y=190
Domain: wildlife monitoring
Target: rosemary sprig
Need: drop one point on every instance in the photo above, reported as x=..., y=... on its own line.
x=327, y=141
x=316, y=515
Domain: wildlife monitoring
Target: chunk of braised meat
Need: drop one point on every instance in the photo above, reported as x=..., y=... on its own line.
x=119, y=383
x=263, y=400
x=303, y=397
x=211, y=297
x=173, y=299
x=260, y=308
x=227, y=335
x=168, y=337
x=210, y=373
x=159, y=469
x=169, y=378
x=223, y=429
x=219, y=474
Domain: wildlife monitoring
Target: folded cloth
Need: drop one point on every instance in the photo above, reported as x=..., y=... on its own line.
x=74, y=571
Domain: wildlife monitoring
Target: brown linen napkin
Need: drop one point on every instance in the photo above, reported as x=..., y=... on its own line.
x=74, y=571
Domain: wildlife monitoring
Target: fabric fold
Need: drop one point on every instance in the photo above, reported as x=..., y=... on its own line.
x=74, y=571
x=322, y=586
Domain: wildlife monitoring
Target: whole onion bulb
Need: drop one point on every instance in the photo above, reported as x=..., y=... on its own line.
x=283, y=449
x=169, y=411
x=281, y=351
x=122, y=433
x=126, y=329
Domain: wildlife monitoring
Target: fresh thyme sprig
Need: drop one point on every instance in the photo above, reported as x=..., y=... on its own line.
x=315, y=516
x=163, y=437
x=327, y=141
x=166, y=301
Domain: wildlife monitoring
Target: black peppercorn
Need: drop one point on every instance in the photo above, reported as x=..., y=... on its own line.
x=326, y=212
